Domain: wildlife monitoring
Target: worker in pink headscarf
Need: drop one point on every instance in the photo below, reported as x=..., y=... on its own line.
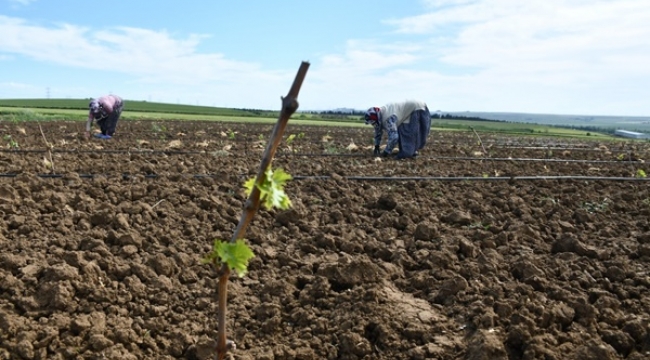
x=106, y=111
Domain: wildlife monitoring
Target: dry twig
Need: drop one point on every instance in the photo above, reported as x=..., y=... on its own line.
x=49, y=148
x=484, y=150
x=157, y=203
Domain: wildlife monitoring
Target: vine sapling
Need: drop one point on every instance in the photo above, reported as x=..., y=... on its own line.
x=266, y=188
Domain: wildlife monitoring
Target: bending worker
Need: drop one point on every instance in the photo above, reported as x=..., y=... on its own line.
x=106, y=110
x=407, y=123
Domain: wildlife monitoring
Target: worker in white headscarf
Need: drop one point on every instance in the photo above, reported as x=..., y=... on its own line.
x=407, y=123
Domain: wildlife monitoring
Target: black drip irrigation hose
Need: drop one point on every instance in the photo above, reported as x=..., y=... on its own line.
x=159, y=152
x=537, y=160
x=566, y=149
x=467, y=158
x=169, y=151
x=474, y=178
x=290, y=155
x=118, y=151
x=496, y=147
x=361, y=178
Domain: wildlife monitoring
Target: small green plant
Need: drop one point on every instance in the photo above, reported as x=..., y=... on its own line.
x=620, y=157
x=478, y=225
x=301, y=135
x=272, y=194
x=551, y=200
x=332, y=149
x=11, y=143
x=290, y=139
x=261, y=137
x=267, y=189
x=641, y=174
x=220, y=153
x=157, y=128
x=231, y=134
x=594, y=207
x=235, y=255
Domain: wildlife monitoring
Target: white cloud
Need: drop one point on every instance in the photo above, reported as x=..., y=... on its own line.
x=500, y=33
x=150, y=58
x=578, y=56
x=13, y=89
x=15, y=85
x=556, y=52
x=364, y=57
x=369, y=73
x=443, y=3
x=22, y=2
x=146, y=54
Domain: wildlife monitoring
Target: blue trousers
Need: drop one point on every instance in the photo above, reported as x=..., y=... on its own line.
x=413, y=136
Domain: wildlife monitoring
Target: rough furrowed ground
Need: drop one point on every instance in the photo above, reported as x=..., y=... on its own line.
x=109, y=266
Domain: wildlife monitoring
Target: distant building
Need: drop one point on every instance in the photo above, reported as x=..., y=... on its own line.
x=631, y=134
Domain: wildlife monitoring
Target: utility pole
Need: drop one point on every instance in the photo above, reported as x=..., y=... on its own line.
x=47, y=92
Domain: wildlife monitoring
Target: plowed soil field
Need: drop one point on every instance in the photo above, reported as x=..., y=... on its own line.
x=448, y=256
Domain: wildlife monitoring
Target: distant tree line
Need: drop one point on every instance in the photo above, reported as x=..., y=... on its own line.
x=334, y=114
x=598, y=129
x=458, y=117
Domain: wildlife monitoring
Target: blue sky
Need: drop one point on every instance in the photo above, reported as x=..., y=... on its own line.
x=541, y=56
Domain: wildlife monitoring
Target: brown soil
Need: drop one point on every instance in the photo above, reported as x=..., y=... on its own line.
x=110, y=267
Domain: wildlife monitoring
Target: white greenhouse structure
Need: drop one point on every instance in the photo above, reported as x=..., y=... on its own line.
x=631, y=134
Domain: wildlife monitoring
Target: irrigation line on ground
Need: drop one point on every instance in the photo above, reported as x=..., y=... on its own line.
x=117, y=151
x=474, y=178
x=360, y=178
x=165, y=152
x=627, y=162
x=433, y=144
x=493, y=147
x=293, y=155
x=467, y=158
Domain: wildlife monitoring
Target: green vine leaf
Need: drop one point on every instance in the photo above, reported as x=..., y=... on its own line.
x=235, y=255
x=272, y=194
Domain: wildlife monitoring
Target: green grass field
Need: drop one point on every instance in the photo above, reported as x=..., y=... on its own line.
x=139, y=106
x=16, y=110
x=527, y=129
